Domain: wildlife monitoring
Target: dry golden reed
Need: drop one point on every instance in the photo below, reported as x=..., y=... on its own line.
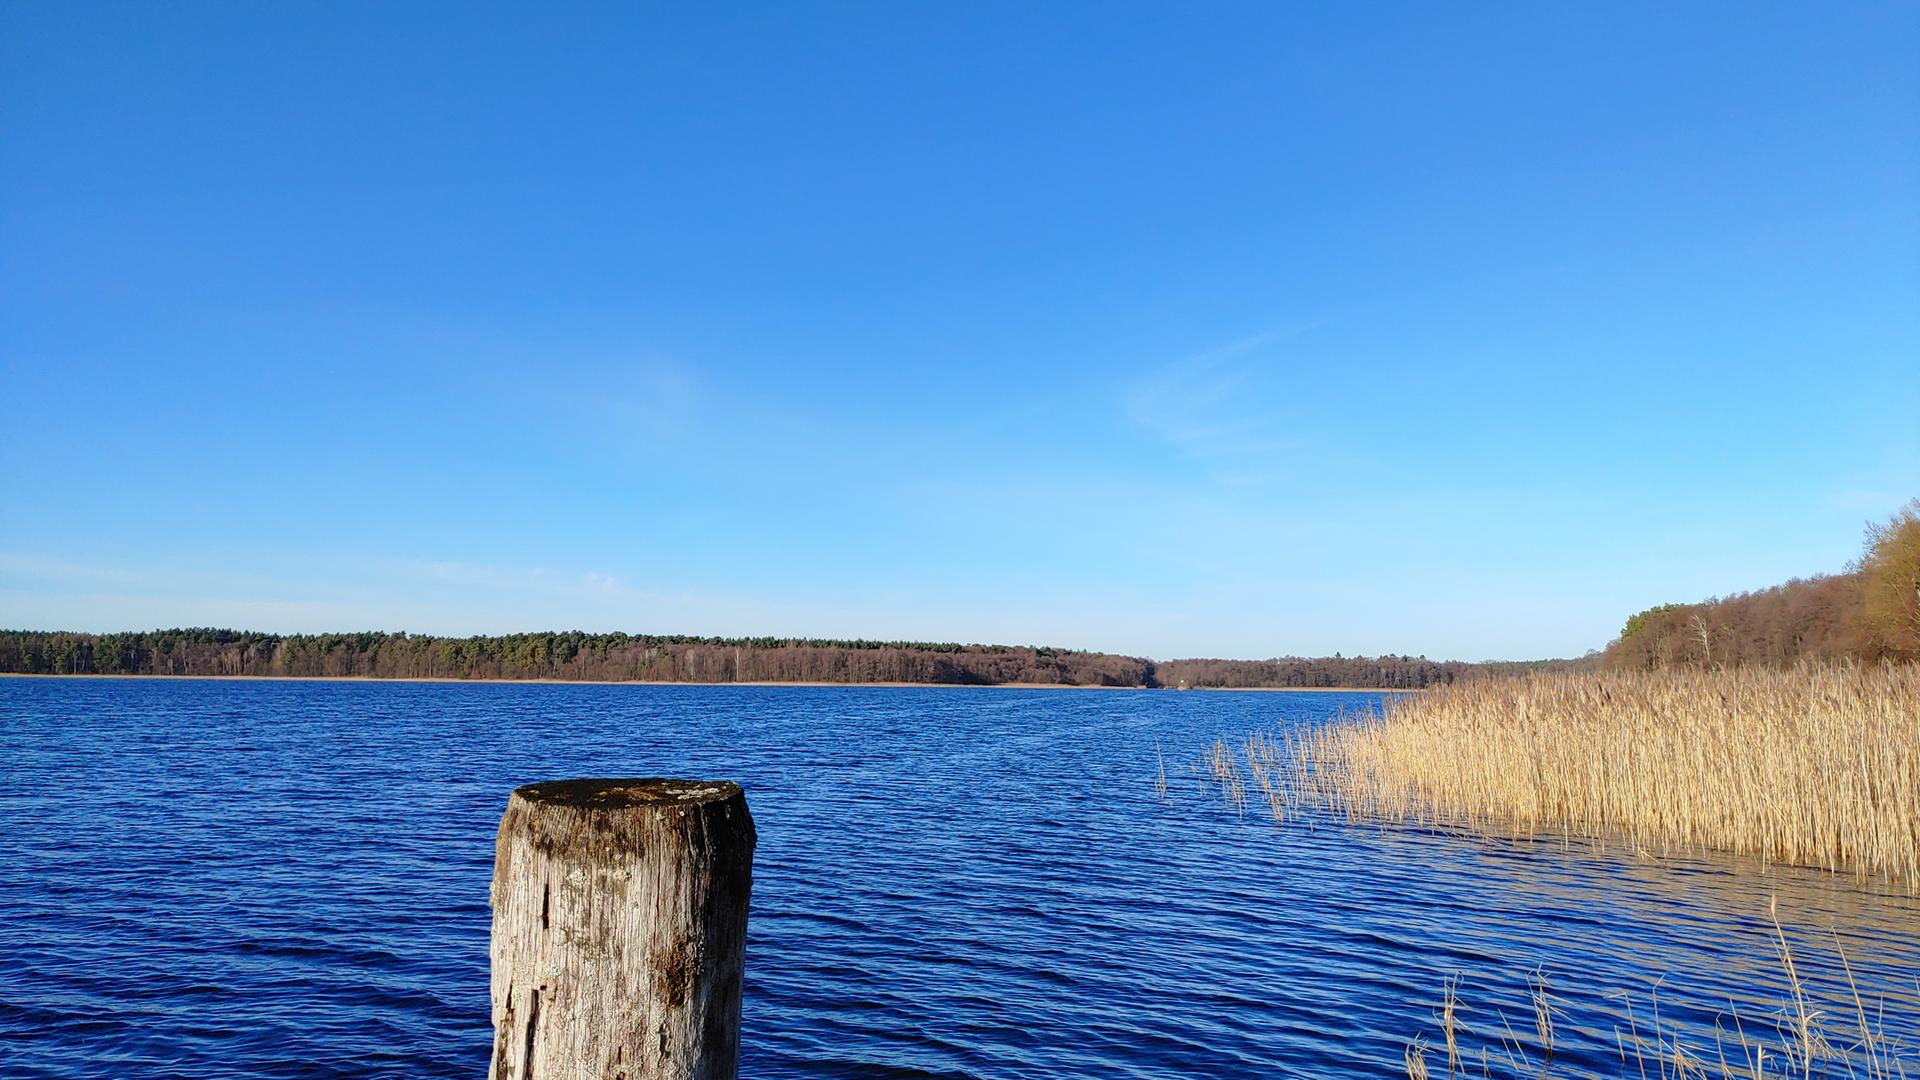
x=1814, y=766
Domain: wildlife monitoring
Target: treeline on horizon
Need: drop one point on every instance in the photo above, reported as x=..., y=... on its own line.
x=569, y=655
x=1868, y=613
x=621, y=657
x=1316, y=673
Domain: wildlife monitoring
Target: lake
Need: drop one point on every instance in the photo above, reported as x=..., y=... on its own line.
x=289, y=879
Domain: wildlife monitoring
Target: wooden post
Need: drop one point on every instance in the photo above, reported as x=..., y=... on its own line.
x=619, y=929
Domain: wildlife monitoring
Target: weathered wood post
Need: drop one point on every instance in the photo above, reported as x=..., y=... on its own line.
x=619, y=930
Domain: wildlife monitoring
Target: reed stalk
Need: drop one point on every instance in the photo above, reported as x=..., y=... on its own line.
x=1815, y=766
x=1802, y=1050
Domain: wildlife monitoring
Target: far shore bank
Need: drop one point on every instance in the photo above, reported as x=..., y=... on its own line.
x=666, y=682
x=1309, y=689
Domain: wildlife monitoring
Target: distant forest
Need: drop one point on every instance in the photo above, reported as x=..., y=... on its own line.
x=1299, y=672
x=653, y=658
x=1870, y=613
x=571, y=655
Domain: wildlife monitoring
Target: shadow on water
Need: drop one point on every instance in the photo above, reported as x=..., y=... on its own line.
x=288, y=879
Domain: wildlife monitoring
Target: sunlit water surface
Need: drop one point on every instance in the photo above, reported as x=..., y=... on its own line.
x=272, y=879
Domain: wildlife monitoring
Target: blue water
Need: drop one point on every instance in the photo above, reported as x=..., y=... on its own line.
x=269, y=879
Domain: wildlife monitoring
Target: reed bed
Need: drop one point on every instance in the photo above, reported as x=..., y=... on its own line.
x=1815, y=766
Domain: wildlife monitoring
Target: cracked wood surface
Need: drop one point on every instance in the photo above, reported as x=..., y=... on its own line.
x=619, y=930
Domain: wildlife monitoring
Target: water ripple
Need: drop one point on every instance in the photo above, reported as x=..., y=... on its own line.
x=211, y=879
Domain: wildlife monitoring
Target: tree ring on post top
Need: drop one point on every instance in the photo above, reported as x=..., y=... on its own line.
x=621, y=793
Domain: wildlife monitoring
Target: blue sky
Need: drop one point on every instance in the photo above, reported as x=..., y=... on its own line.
x=1236, y=330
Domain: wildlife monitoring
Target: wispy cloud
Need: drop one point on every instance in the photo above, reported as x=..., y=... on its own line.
x=629, y=392
x=45, y=569
x=1220, y=406
x=612, y=389
x=481, y=574
x=510, y=578
x=343, y=593
x=1870, y=502
x=655, y=390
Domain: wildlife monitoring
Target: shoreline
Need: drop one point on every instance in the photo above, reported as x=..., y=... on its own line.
x=1302, y=689
x=660, y=682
